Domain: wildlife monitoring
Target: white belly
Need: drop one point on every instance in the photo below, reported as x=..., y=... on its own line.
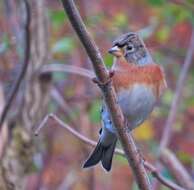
x=136, y=104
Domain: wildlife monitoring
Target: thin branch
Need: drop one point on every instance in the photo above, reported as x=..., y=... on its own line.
x=165, y=140
x=162, y=179
x=21, y=75
x=177, y=169
x=108, y=92
x=64, y=125
x=4, y=131
x=120, y=152
x=67, y=68
x=67, y=110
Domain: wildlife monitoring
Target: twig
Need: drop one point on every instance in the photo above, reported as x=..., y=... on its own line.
x=64, y=125
x=165, y=140
x=177, y=169
x=120, y=152
x=67, y=68
x=4, y=131
x=162, y=179
x=21, y=75
x=67, y=110
x=108, y=92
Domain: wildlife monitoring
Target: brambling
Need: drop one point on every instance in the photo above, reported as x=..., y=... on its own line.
x=138, y=83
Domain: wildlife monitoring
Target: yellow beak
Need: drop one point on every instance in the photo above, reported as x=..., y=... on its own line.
x=116, y=51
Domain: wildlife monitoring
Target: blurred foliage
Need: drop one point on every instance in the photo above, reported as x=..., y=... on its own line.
x=144, y=132
x=108, y=59
x=94, y=111
x=64, y=45
x=166, y=28
x=57, y=18
x=4, y=44
x=184, y=157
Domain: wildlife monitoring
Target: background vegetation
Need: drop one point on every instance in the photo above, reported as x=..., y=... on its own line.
x=54, y=159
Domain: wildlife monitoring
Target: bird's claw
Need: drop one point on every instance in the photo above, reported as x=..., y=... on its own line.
x=105, y=83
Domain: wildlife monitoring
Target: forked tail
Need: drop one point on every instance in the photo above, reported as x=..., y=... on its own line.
x=101, y=153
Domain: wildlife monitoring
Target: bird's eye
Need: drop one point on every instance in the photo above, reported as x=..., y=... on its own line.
x=130, y=48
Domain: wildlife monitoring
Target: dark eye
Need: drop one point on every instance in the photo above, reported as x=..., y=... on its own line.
x=130, y=48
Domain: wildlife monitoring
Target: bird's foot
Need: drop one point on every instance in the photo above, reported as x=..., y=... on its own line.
x=105, y=83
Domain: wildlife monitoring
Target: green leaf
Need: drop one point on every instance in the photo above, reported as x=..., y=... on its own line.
x=163, y=34
x=184, y=157
x=120, y=20
x=180, y=13
x=167, y=96
x=57, y=17
x=108, y=59
x=94, y=112
x=175, y=14
x=64, y=45
x=4, y=45
x=156, y=2
x=121, y=159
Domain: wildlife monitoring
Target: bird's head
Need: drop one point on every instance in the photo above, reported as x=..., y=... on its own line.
x=129, y=46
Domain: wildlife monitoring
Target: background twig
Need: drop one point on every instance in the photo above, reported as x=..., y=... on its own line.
x=177, y=169
x=67, y=68
x=21, y=75
x=120, y=152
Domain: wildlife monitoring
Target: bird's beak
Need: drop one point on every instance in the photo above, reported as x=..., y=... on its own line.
x=116, y=51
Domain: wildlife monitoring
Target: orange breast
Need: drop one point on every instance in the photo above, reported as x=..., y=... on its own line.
x=127, y=74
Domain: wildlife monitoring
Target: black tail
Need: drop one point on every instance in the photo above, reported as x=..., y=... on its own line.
x=103, y=154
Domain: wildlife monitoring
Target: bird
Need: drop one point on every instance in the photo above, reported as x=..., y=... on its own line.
x=138, y=82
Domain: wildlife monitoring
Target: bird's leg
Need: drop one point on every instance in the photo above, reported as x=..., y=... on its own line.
x=103, y=84
x=111, y=73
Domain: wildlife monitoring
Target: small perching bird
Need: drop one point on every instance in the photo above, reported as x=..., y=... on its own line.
x=138, y=82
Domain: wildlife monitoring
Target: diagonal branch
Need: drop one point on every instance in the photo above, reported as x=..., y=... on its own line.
x=120, y=152
x=21, y=75
x=108, y=92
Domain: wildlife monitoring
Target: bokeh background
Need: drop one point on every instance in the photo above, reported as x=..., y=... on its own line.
x=54, y=159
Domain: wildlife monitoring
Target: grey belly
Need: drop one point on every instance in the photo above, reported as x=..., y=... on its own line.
x=136, y=104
